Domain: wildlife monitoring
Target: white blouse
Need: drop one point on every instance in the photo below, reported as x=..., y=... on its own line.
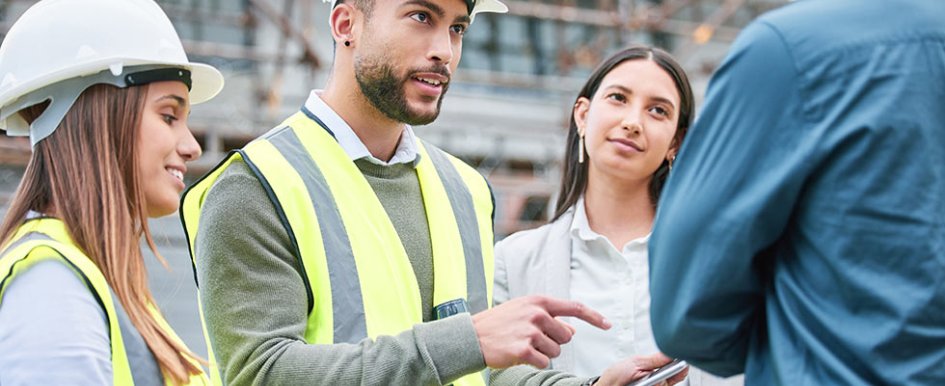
x=616, y=284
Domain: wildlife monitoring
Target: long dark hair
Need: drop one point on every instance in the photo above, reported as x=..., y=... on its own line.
x=574, y=178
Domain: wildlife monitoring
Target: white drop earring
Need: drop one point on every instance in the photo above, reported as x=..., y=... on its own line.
x=581, y=149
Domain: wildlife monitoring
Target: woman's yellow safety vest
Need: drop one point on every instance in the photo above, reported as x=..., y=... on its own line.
x=360, y=280
x=47, y=239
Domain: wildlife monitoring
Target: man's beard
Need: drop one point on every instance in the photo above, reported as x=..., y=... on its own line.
x=386, y=92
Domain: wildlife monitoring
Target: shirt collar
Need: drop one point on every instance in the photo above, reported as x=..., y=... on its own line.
x=406, y=152
x=581, y=228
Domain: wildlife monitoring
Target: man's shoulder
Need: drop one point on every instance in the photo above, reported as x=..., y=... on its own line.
x=831, y=26
x=235, y=169
x=433, y=147
x=236, y=182
x=461, y=166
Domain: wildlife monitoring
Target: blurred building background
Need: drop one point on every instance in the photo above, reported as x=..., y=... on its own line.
x=506, y=112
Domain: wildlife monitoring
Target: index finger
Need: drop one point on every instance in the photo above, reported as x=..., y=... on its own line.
x=560, y=307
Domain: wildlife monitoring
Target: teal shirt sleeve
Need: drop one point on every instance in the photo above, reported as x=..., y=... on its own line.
x=728, y=199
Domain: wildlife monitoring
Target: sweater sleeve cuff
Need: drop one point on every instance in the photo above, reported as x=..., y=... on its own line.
x=451, y=346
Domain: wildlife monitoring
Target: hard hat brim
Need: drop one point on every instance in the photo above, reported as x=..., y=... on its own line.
x=207, y=82
x=494, y=6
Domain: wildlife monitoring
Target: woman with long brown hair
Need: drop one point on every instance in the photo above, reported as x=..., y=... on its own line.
x=104, y=97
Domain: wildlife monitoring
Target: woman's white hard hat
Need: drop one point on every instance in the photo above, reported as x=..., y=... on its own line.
x=58, y=48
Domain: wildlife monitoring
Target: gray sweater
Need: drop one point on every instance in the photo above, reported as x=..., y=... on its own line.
x=255, y=304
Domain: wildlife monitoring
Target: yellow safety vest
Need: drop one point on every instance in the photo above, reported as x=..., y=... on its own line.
x=47, y=239
x=360, y=280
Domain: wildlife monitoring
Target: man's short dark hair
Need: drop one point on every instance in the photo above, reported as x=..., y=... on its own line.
x=365, y=6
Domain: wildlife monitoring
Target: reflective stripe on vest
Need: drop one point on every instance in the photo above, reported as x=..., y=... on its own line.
x=47, y=239
x=465, y=214
x=359, y=259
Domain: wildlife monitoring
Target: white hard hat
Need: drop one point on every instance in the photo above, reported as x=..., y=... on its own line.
x=477, y=6
x=58, y=48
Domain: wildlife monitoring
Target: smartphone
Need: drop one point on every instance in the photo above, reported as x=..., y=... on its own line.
x=661, y=374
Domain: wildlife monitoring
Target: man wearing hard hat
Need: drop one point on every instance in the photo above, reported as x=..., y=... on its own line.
x=340, y=249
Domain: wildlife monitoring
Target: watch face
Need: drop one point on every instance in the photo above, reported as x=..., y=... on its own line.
x=451, y=308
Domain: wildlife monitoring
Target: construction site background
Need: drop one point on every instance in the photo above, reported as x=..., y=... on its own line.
x=506, y=112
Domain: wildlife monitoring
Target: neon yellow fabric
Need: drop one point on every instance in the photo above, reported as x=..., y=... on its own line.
x=59, y=246
x=390, y=294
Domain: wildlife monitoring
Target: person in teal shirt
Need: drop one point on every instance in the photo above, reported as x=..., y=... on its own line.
x=801, y=236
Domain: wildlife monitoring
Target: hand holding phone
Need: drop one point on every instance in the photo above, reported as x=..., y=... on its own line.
x=643, y=370
x=661, y=374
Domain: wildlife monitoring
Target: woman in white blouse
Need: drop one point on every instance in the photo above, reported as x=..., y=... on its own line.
x=626, y=127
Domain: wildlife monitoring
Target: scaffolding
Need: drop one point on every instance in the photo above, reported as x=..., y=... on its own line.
x=508, y=108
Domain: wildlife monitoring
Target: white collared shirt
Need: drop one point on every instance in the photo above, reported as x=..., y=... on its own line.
x=616, y=284
x=406, y=152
